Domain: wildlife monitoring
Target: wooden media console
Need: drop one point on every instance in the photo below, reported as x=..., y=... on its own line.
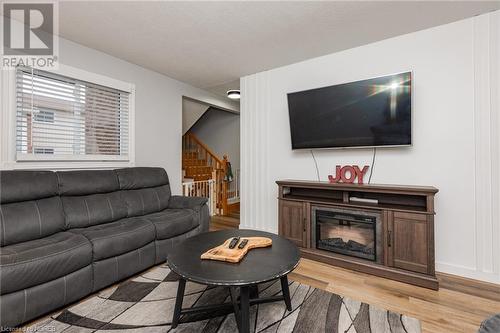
x=384, y=230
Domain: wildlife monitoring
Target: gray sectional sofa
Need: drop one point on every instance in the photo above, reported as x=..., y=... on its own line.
x=64, y=235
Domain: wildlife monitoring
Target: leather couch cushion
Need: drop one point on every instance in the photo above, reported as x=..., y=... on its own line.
x=26, y=185
x=111, y=270
x=31, y=263
x=136, y=178
x=181, y=202
x=115, y=238
x=90, y=197
x=29, y=220
x=84, y=182
x=172, y=222
x=145, y=190
x=146, y=200
x=89, y=210
x=24, y=305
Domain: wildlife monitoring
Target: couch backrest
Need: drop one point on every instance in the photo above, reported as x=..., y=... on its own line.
x=90, y=197
x=36, y=204
x=29, y=206
x=145, y=190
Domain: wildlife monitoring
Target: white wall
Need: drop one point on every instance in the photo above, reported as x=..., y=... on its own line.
x=456, y=143
x=158, y=106
x=191, y=112
x=220, y=131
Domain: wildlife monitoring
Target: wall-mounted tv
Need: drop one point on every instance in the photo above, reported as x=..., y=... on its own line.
x=368, y=113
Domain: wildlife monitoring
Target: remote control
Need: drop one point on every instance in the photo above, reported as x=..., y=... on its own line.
x=233, y=243
x=243, y=243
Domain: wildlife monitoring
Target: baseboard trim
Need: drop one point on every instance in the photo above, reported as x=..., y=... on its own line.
x=469, y=286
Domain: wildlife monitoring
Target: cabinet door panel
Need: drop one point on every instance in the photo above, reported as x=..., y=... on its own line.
x=410, y=242
x=292, y=222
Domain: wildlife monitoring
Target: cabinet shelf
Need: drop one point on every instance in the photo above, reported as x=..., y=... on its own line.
x=395, y=207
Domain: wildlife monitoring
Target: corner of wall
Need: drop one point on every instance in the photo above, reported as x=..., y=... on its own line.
x=487, y=144
x=257, y=188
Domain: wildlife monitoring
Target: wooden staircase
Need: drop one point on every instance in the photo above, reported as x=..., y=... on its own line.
x=200, y=163
x=196, y=168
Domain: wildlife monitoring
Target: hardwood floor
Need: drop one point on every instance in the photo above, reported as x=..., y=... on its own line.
x=443, y=311
x=224, y=222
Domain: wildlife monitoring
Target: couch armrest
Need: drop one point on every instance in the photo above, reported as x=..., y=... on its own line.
x=198, y=204
x=180, y=202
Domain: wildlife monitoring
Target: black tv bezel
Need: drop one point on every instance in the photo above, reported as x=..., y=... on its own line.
x=412, y=95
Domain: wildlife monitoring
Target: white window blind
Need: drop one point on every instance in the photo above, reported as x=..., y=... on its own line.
x=64, y=118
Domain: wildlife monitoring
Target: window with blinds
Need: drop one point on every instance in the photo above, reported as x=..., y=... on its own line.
x=64, y=118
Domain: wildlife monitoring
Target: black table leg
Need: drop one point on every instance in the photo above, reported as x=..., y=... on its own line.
x=286, y=292
x=254, y=291
x=178, y=302
x=241, y=307
x=236, y=306
x=244, y=309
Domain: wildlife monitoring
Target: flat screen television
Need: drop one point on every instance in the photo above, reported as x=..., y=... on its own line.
x=368, y=113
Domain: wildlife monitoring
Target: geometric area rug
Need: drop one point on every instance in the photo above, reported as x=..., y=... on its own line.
x=145, y=303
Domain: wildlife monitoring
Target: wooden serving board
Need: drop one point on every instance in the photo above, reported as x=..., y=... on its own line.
x=224, y=253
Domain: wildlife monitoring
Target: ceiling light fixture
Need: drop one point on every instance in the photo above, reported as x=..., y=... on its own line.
x=233, y=94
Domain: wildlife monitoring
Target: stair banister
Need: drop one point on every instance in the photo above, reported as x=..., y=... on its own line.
x=219, y=167
x=206, y=151
x=225, y=163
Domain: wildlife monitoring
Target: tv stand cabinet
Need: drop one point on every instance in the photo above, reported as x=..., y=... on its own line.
x=406, y=217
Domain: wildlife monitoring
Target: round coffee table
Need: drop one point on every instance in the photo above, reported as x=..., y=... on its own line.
x=259, y=265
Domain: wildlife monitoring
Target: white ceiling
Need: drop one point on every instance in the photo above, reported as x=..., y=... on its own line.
x=212, y=44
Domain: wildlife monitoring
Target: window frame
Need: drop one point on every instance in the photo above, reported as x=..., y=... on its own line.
x=9, y=157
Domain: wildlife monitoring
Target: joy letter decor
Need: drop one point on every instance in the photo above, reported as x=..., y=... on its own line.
x=348, y=173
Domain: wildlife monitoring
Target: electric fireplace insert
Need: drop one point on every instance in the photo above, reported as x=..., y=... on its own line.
x=348, y=232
